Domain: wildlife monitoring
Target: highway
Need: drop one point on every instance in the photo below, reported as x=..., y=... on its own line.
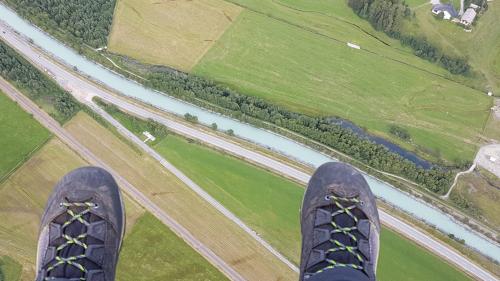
x=84, y=90
x=69, y=140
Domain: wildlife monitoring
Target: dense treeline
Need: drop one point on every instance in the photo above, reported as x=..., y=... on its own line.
x=389, y=15
x=87, y=20
x=385, y=15
x=36, y=85
x=320, y=129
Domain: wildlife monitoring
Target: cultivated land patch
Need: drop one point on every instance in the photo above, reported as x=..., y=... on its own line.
x=20, y=135
x=270, y=205
x=208, y=225
x=174, y=33
x=307, y=72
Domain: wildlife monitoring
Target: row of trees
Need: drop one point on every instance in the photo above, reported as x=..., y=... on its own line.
x=320, y=129
x=389, y=16
x=36, y=85
x=87, y=20
x=133, y=123
x=425, y=50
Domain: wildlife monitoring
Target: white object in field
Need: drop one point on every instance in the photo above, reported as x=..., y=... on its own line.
x=149, y=136
x=354, y=46
x=490, y=93
x=493, y=159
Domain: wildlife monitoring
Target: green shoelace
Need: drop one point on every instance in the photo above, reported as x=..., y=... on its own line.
x=346, y=231
x=72, y=260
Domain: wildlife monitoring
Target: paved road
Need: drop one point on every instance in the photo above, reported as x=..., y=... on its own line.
x=69, y=140
x=84, y=90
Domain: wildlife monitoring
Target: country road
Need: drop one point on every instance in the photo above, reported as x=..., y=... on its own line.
x=84, y=90
x=69, y=140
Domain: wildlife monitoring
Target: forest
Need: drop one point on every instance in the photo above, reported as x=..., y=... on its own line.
x=389, y=16
x=85, y=20
x=321, y=129
x=36, y=85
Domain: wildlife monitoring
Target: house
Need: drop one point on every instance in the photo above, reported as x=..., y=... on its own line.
x=468, y=17
x=448, y=11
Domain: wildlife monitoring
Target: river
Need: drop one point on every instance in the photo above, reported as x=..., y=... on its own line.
x=265, y=138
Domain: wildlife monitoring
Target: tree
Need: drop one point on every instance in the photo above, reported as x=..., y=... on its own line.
x=214, y=126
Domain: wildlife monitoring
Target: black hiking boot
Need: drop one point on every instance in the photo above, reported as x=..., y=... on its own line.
x=82, y=228
x=340, y=226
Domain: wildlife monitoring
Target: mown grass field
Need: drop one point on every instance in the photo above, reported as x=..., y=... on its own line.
x=20, y=135
x=22, y=199
x=270, y=205
x=174, y=33
x=481, y=45
x=208, y=225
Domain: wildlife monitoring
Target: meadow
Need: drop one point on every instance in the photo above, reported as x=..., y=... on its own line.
x=21, y=135
x=174, y=33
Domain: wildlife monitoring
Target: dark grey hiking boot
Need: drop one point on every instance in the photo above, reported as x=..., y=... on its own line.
x=340, y=226
x=82, y=228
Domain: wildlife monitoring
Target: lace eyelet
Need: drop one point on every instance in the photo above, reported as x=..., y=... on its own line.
x=361, y=203
x=328, y=197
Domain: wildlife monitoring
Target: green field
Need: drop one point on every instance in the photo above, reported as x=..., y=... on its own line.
x=270, y=205
x=20, y=135
x=10, y=270
x=151, y=251
x=312, y=73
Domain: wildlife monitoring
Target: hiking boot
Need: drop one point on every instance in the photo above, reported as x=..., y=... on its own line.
x=82, y=228
x=340, y=226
